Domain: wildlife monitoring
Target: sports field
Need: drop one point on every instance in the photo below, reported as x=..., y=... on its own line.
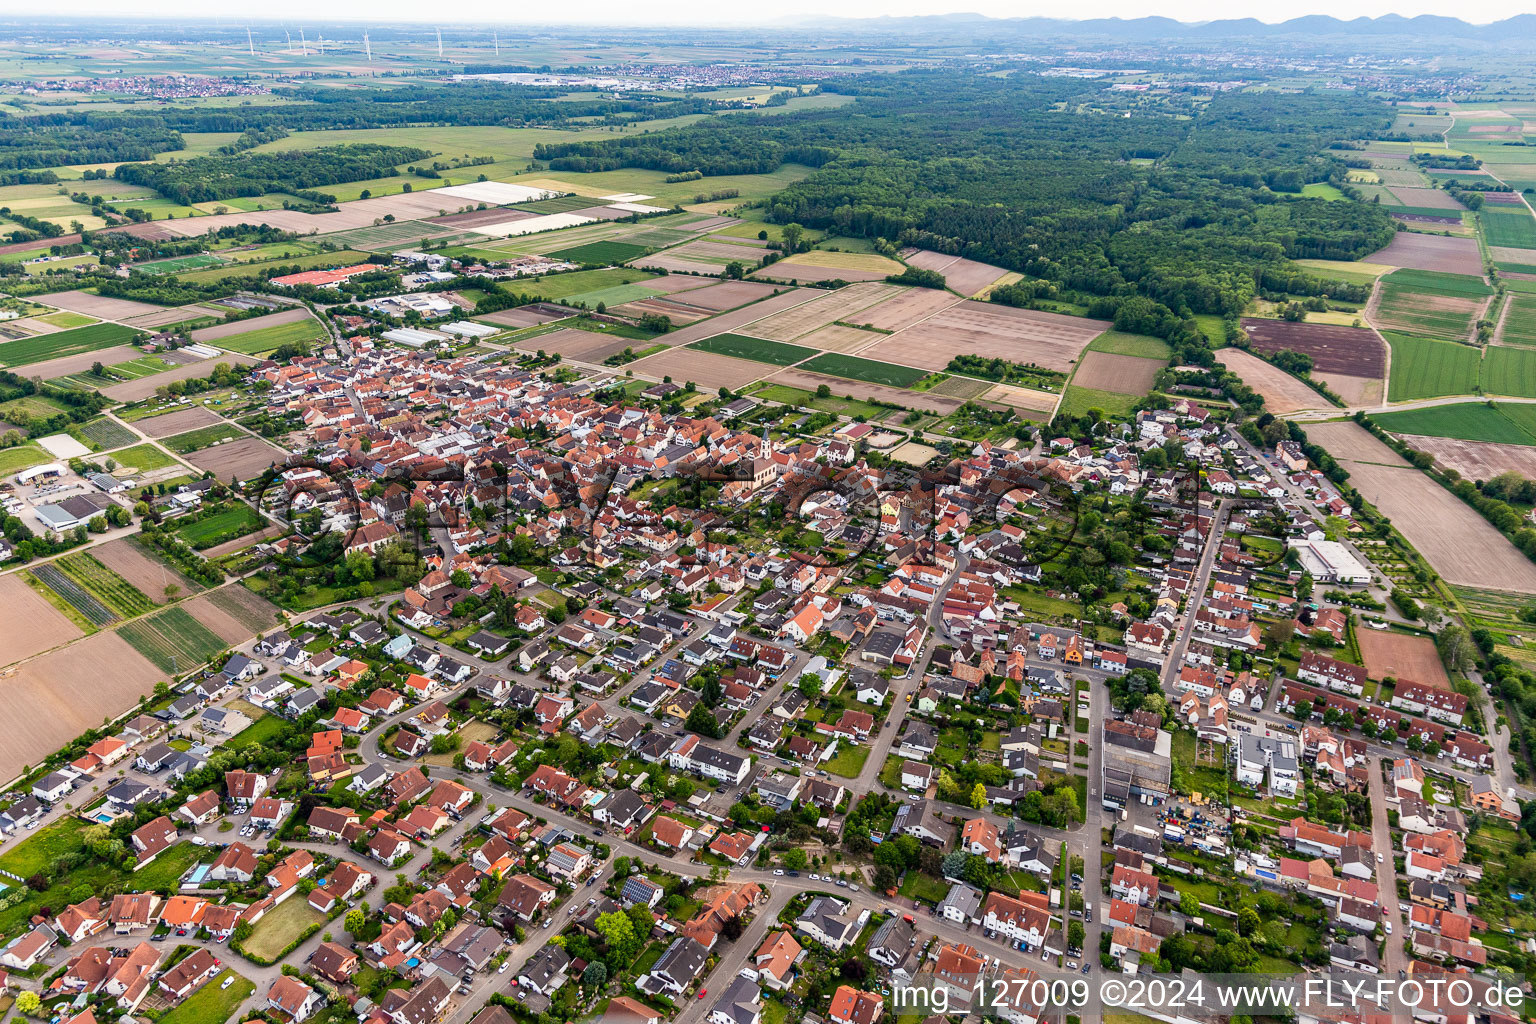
x=868, y=370
x=176, y=264
x=739, y=345
x=600, y=253
x=64, y=343
x=1427, y=369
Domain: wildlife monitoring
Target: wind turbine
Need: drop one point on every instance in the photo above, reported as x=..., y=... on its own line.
x=439, y=43
x=303, y=41
x=496, y=39
x=249, y=42
x=366, y=47
x=289, y=37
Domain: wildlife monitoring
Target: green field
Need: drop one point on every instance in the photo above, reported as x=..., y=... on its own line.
x=212, y=1004
x=562, y=286
x=64, y=318
x=1509, y=371
x=216, y=529
x=1321, y=190
x=144, y=458
x=1513, y=228
x=123, y=598
x=1434, y=283
x=267, y=339
x=14, y=460
x=1520, y=319
x=602, y=253
x=756, y=349
x=173, y=640
x=64, y=343
x=867, y=370
x=202, y=437
x=1466, y=421
x=281, y=926
x=614, y=296
x=1428, y=369
x=1076, y=400
x=1121, y=343
x=559, y=204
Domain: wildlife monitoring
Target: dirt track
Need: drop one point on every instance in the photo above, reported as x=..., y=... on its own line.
x=1402, y=656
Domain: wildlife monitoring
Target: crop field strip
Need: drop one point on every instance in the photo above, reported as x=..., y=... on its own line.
x=104, y=434
x=1513, y=227
x=1519, y=320
x=1493, y=423
x=74, y=594
x=741, y=346
x=870, y=371
x=203, y=437
x=64, y=343
x=604, y=253
x=1422, y=368
x=172, y=639
x=114, y=592
x=1430, y=304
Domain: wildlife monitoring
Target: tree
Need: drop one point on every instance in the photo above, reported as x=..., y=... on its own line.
x=354, y=920
x=978, y=796
x=792, y=236
x=796, y=860
x=596, y=974
x=953, y=864
x=618, y=931
x=28, y=1002
x=1075, y=934
x=1189, y=904
x=1456, y=648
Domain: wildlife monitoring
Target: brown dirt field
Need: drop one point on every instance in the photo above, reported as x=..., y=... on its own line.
x=1429, y=198
x=980, y=328
x=1125, y=375
x=708, y=370
x=133, y=390
x=962, y=275
x=837, y=338
x=229, y=629
x=40, y=243
x=81, y=361
x=217, y=331
x=100, y=306
x=1406, y=657
x=968, y=387
x=474, y=218
x=723, y=296
x=1334, y=349
x=1509, y=254
x=521, y=317
x=737, y=318
x=243, y=457
x=1431, y=252
x=820, y=311
x=256, y=612
x=676, y=264
x=1460, y=544
x=1477, y=460
x=30, y=625
x=1354, y=390
x=1282, y=392
x=585, y=346
x=30, y=327
x=1016, y=397
x=674, y=311
x=800, y=272
x=178, y=422
x=906, y=309
x=810, y=381
x=65, y=692
x=175, y=314
x=229, y=547
x=149, y=574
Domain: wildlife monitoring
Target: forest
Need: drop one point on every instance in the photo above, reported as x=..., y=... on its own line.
x=208, y=178
x=1196, y=213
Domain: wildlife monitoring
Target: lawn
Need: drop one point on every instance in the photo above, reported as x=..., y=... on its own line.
x=263, y=730
x=1427, y=369
x=267, y=339
x=1124, y=344
x=212, y=1004
x=143, y=458
x=14, y=460
x=216, y=529
x=868, y=370
x=65, y=343
x=1077, y=400
x=848, y=762
x=282, y=925
x=203, y=437
x=918, y=886
x=756, y=349
x=66, y=319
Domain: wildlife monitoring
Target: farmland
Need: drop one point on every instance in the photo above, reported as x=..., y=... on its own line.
x=739, y=345
x=172, y=639
x=600, y=253
x=267, y=339
x=1468, y=421
x=1519, y=326
x=868, y=370
x=1428, y=369
x=117, y=594
x=77, y=602
x=1513, y=227
x=102, y=433
x=64, y=343
x=1431, y=253
x=203, y=437
x=562, y=286
x=1509, y=371
x=220, y=527
x=1430, y=304
x=1349, y=350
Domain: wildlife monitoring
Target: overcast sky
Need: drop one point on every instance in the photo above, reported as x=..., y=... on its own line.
x=672, y=12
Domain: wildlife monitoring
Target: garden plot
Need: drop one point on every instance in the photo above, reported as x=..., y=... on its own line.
x=65, y=692
x=101, y=306
x=903, y=310
x=582, y=346
x=1334, y=349
x=242, y=458
x=501, y=193
x=143, y=571
x=821, y=311
x=991, y=331
x=1440, y=253
x=31, y=624
x=1282, y=392
x=1460, y=544
x=229, y=330
x=967, y=277
x=706, y=369
x=1126, y=375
